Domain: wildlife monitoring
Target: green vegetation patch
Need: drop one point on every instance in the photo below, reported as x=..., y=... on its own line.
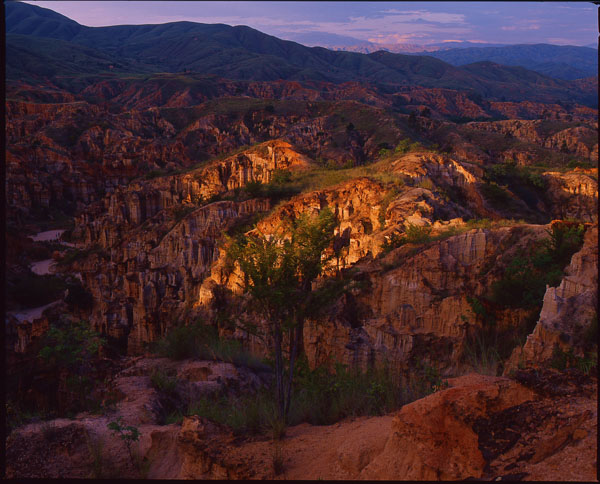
x=199, y=340
x=526, y=276
x=320, y=397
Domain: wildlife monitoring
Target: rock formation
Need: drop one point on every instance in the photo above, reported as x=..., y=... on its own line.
x=569, y=311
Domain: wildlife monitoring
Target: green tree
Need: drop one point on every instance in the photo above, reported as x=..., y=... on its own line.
x=279, y=272
x=75, y=348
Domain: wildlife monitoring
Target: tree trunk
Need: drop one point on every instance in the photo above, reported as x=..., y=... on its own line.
x=295, y=336
x=279, y=373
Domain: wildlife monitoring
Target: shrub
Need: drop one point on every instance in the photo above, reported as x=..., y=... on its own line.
x=481, y=351
x=96, y=450
x=152, y=174
x=385, y=203
x=79, y=296
x=426, y=183
x=524, y=281
x=203, y=341
x=562, y=360
x=128, y=435
x=320, y=398
x=579, y=164
x=254, y=188
x=16, y=416
x=416, y=234
x=179, y=212
x=278, y=460
x=403, y=146
x=495, y=193
x=163, y=382
x=281, y=177
x=74, y=347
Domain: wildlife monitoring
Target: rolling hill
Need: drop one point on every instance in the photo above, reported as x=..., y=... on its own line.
x=241, y=53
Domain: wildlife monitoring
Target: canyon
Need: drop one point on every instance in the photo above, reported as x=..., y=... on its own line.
x=465, y=244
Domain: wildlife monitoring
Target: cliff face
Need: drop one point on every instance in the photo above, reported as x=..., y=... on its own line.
x=581, y=141
x=533, y=110
x=573, y=194
x=132, y=205
x=155, y=269
x=568, y=313
x=162, y=240
x=414, y=303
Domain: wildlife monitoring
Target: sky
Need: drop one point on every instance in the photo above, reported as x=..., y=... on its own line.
x=563, y=23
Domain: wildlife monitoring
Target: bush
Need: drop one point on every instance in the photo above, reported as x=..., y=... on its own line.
x=179, y=212
x=75, y=347
x=203, y=341
x=579, y=164
x=79, y=296
x=414, y=234
x=524, y=281
x=280, y=177
x=385, y=203
x=254, y=188
x=162, y=382
x=321, y=398
x=562, y=360
x=426, y=183
x=152, y=174
x=403, y=146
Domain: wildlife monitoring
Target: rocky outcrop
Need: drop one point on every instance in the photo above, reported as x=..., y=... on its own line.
x=538, y=426
x=573, y=195
x=533, y=110
x=444, y=102
x=156, y=269
x=85, y=447
x=562, y=136
x=434, y=439
x=415, y=303
x=568, y=312
x=131, y=206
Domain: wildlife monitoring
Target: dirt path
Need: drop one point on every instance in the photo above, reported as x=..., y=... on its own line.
x=33, y=313
x=41, y=268
x=49, y=235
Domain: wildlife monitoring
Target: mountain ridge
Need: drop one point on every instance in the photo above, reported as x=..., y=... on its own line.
x=242, y=53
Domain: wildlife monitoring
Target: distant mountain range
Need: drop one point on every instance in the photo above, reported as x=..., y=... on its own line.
x=352, y=44
x=560, y=61
x=77, y=55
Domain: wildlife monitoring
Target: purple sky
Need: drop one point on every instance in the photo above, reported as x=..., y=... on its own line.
x=573, y=23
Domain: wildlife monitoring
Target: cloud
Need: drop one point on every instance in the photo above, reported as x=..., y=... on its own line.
x=522, y=27
x=399, y=38
x=362, y=27
x=437, y=17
